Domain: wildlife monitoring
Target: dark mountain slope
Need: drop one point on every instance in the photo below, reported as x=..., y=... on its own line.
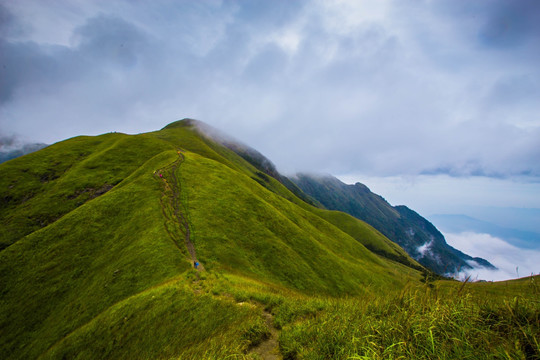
x=400, y=224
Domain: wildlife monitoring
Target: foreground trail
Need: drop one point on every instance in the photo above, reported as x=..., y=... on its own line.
x=268, y=349
x=171, y=200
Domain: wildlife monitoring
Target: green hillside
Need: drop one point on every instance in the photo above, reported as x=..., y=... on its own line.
x=99, y=236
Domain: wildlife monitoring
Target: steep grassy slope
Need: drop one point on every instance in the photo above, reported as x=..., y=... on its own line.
x=86, y=236
x=400, y=224
x=290, y=245
x=264, y=172
x=369, y=237
x=41, y=187
x=56, y=279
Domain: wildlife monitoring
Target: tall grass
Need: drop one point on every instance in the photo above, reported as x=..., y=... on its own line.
x=448, y=320
x=419, y=323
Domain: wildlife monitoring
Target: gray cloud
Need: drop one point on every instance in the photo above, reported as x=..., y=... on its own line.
x=386, y=88
x=494, y=24
x=6, y=19
x=9, y=26
x=7, y=142
x=109, y=39
x=511, y=24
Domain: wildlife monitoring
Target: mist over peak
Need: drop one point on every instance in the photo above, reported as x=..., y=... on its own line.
x=12, y=147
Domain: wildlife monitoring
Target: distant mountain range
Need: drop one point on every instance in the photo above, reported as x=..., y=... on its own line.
x=412, y=232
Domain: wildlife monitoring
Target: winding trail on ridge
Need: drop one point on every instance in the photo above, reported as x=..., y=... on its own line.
x=268, y=349
x=171, y=197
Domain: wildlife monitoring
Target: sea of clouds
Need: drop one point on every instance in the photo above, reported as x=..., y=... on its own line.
x=511, y=262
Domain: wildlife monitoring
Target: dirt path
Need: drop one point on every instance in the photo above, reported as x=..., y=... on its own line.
x=268, y=349
x=171, y=198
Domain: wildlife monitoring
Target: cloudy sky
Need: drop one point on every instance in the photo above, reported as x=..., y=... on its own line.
x=425, y=98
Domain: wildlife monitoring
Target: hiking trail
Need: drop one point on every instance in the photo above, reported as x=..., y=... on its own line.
x=170, y=198
x=268, y=349
x=175, y=211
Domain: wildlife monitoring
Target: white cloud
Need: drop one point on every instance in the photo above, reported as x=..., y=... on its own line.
x=510, y=260
x=343, y=16
x=425, y=249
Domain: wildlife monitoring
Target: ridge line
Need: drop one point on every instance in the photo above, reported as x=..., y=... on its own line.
x=179, y=210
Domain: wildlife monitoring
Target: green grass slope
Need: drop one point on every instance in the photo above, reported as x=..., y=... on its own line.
x=86, y=235
x=168, y=321
x=56, y=279
x=369, y=237
x=444, y=320
x=264, y=172
x=289, y=245
x=39, y=188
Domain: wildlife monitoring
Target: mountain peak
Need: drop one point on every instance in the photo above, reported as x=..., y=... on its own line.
x=185, y=122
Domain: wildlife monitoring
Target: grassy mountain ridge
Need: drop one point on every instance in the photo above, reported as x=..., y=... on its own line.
x=328, y=255
x=41, y=187
x=266, y=174
x=95, y=263
x=95, y=248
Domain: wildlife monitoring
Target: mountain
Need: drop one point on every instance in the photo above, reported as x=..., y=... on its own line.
x=91, y=222
x=416, y=235
x=458, y=223
x=100, y=235
x=264, y=166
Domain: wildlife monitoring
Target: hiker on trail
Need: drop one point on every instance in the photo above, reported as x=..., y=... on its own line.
x=196, y=264
x=160, y=175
